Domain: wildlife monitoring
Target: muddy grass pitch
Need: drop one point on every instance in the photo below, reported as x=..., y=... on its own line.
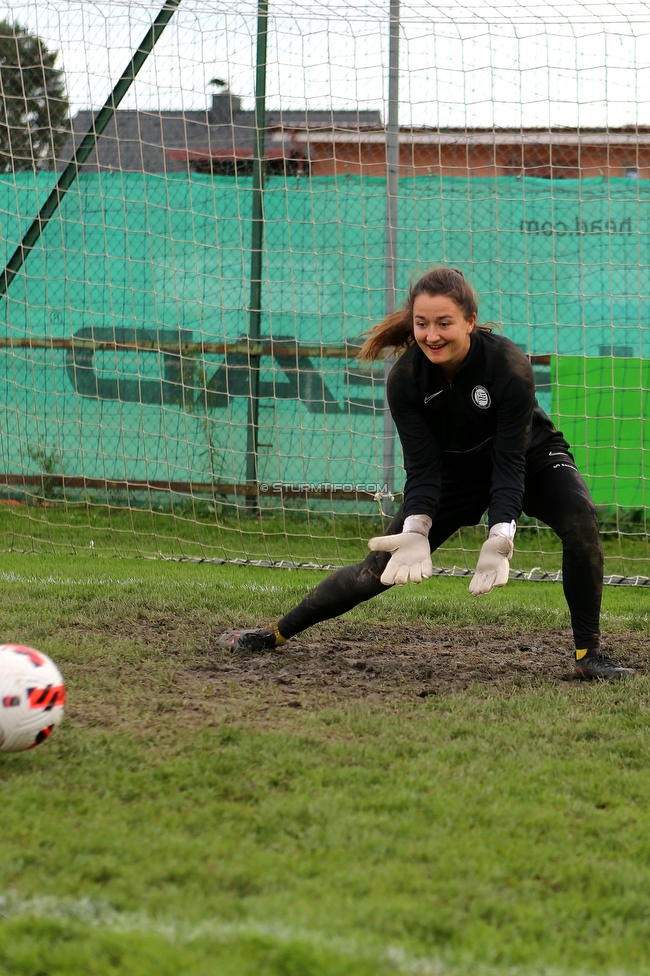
x=421, y=786
x=386, y=662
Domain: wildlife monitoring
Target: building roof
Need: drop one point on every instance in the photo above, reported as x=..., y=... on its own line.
x=221, y=138
x=168, y=141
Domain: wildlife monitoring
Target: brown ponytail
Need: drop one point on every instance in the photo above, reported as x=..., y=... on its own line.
x=396, y=331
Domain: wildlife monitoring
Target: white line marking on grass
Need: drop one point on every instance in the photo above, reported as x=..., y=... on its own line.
x=111, y=581
x=11, y=577
x=68, y=580
x=102, y=915
x=258, y=587
x=645, y=617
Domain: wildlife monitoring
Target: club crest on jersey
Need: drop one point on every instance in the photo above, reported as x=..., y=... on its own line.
x=481, y=397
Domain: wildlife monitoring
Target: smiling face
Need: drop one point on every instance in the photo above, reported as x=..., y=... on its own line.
x=441, y=331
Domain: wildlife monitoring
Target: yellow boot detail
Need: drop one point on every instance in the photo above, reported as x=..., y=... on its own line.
x=279, y=639
x=581, y=653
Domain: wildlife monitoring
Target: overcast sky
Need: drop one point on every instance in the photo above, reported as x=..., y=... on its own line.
x=474, y=64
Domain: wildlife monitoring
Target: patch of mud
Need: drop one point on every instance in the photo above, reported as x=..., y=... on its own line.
x=188, y=682
x=410, y=662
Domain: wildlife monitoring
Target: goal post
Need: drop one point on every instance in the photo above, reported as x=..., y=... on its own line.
x=125, y=387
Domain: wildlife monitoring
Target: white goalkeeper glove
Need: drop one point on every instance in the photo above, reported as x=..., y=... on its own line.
x=411, y=553
x=493, y=565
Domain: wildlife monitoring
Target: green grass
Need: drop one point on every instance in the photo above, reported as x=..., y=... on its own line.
x=199, y=530
x=173, y=827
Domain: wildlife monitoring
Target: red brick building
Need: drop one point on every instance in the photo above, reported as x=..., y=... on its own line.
x=220, y=140
x=544, y=153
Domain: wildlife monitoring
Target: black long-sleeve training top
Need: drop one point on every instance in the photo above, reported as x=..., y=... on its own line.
x=489, y=410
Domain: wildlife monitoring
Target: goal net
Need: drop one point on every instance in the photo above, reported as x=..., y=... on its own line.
x=179, y=346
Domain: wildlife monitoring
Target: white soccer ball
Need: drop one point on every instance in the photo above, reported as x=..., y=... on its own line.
x=32, y=695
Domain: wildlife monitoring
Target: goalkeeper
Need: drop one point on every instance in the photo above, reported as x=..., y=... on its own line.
x=474, y=438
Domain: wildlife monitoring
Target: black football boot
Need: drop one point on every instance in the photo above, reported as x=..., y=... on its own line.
x=255, y=641
x=592, y=664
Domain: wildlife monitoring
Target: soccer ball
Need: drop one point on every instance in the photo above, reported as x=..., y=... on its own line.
x=32, y=695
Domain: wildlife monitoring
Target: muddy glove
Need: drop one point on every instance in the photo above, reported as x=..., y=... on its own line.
x=493, y=564
x=411, y=553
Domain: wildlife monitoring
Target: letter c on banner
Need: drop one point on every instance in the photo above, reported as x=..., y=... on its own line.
x=82, y=371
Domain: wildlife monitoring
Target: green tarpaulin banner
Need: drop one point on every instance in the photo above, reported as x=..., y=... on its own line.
x=602, y=406
x=562, y=266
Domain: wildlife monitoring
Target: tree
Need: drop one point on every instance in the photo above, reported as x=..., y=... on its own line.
x=33, y=101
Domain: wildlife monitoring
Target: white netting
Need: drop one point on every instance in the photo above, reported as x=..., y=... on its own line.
x=139, y=410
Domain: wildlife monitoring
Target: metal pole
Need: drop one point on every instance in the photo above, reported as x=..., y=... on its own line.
x=392, y=191
x=86, y=146
x=257, y=244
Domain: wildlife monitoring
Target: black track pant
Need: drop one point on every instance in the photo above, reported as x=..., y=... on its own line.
x=554, y=494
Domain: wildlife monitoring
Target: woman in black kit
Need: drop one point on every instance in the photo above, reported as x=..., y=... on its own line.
x=474, y=438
